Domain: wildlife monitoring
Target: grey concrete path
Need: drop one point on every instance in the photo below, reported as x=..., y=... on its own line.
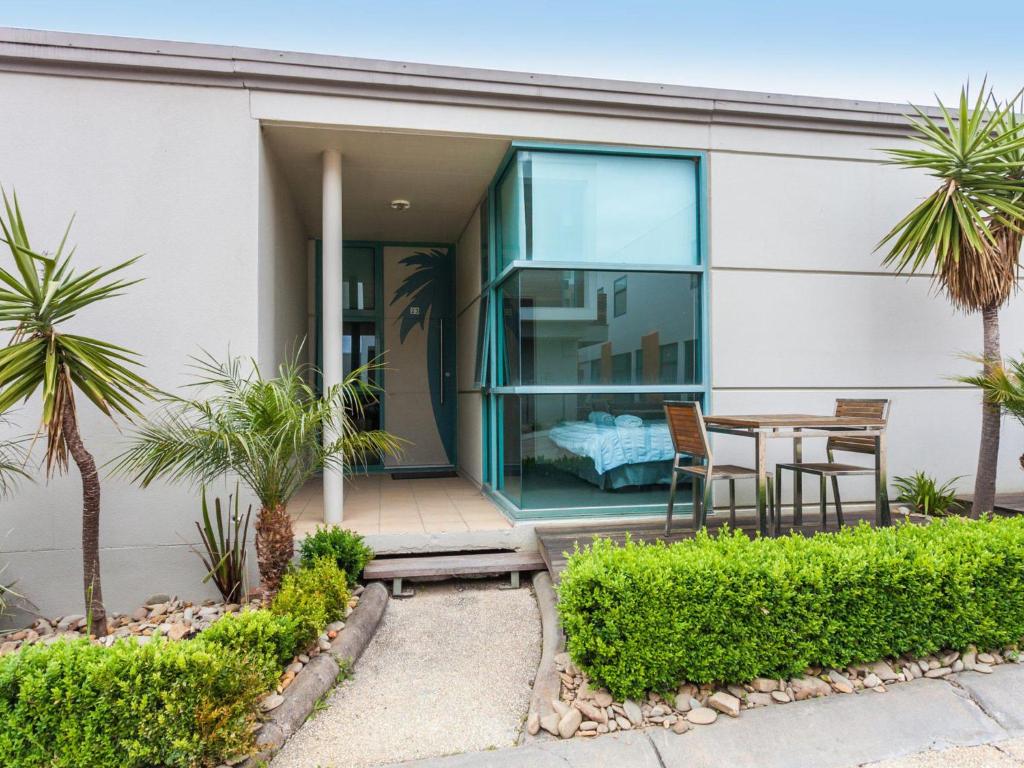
x=449, y=670
x=912, y=719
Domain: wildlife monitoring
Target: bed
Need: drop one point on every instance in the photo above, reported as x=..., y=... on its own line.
x=615, y=452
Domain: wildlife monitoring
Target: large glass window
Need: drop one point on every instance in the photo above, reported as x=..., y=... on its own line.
x=598, y=208
x=555, y=332
x=577, y=451
x=596, y=324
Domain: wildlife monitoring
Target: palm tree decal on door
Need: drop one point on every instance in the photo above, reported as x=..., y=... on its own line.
x=427, y=290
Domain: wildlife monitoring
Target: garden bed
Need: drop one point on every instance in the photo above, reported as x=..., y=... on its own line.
x=585, y=710
x=676, y=635
x=137, y=697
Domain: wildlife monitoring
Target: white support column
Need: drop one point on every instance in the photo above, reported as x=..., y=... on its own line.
x=331, y=331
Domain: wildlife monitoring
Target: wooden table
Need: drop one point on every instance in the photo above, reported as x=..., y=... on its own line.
x=797, y=426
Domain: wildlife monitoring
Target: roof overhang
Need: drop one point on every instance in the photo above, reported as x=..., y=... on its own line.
x=100, y=56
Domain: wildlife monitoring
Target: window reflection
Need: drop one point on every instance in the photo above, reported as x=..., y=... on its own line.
x=582, y=450
x=557, y=329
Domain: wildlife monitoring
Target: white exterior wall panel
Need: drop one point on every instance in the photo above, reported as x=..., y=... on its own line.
x=170, y=172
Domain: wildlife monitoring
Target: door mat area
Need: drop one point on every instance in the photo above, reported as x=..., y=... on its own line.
x=424, y=474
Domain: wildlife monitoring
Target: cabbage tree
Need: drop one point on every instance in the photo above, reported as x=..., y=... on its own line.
x=39, y=294
x=967, y=232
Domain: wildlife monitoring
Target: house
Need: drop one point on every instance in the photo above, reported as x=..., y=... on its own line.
x=536, y=256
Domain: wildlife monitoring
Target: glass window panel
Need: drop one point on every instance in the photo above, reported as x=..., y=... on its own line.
x=556, y=330
x=598, y=208
x=482, y=342
x=359, y=347
x=587, y=450
x=485, y=241
x=358, y=286
x=509, y=208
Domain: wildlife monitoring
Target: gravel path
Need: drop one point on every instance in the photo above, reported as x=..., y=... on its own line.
x=449, y=670
x=1005, y=754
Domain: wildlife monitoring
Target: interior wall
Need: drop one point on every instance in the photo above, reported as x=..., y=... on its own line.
x=467, y=311
x=283, y=270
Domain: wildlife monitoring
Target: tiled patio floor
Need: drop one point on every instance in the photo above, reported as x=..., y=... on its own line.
x=377, y=504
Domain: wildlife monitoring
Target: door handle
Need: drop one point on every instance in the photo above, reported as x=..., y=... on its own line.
x=440, y=323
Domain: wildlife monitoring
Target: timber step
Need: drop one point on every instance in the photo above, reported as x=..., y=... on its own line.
x=398, y=568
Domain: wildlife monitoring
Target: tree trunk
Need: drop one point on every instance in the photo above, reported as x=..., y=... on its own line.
x=991, y=416
x=90, y=520
x=275, y=546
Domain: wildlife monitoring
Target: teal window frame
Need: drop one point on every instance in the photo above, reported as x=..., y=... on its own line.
x=492, y=388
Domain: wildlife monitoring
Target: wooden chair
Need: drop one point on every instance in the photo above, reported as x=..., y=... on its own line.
x=868, y=408
x=690, y=439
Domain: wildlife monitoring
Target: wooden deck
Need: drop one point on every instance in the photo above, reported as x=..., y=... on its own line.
x=555, y=541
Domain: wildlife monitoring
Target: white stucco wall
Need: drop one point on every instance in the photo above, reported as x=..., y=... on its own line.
x=802, y=311
x=467, y=315
x=171, y=172
x=282, y=271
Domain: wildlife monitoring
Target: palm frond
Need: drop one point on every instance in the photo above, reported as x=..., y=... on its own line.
x=13, y=460
x=968, y=231
x=269, y=432
x=42, y=292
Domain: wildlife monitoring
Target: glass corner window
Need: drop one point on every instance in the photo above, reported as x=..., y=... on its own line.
x=598, y=208
x=556, y=329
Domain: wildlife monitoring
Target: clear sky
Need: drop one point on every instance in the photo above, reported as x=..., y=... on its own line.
x=900, y=50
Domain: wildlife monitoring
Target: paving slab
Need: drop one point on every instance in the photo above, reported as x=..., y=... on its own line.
x=836, y=731
x=1000, y=694
x=625, y=750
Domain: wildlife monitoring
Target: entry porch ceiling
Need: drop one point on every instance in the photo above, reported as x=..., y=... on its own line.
x=444, y=177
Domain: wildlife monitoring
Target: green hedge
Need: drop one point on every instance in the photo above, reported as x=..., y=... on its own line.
x=645, y=617
x=313, y=596
x=76, y=705
x=186, y=704
x=346, y=548
x=268, y=641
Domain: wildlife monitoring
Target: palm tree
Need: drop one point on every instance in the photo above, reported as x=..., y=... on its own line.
x=969, y=229
x=267, y=431
x=41, y=294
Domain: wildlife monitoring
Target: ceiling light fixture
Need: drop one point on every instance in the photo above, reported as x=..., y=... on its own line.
x=400, y=205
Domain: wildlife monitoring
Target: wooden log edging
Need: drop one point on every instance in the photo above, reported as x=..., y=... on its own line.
x=319, y=675
x=547, y=685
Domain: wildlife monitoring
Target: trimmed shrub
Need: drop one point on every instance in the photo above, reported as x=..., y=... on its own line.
x=313, y=597
x=77, y=705
x=346, y=548
x=268, y=641
x=727, y=609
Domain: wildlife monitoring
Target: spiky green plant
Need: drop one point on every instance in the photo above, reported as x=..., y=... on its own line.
x=12, y=461
x=267, y=431
x=37, y=297
x=968, y=231
x=1004, y=386
x=223, y=534
x=924, y=493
